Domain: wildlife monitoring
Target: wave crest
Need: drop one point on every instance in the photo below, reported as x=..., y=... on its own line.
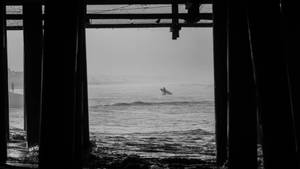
x=141, y=103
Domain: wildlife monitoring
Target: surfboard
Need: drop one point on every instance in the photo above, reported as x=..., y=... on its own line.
x=165, y=92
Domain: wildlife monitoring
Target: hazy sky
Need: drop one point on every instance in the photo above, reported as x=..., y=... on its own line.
x=139, y=52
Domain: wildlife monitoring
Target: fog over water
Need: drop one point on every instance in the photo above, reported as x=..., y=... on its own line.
x=142, y=53
x=128, y=113
x=151, y=53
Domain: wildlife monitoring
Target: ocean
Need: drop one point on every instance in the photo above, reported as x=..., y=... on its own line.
x=135, y=118
x=138, y=119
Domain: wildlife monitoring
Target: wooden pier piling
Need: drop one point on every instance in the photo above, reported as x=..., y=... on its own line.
x=220, y=78
x=82, y=111
x=270, y=62
x=59, y=114
x=242, y=93
x=33, y=48
x=291, y=35
x=4, y=116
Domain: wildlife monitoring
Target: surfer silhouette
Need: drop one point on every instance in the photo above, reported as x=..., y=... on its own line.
x=164, y=91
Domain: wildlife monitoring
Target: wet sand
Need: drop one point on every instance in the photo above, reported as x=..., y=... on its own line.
x=192, y=144
x=138, y=150
x=132, y=151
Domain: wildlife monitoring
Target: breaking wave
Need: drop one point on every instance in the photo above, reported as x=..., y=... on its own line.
x=141, y=103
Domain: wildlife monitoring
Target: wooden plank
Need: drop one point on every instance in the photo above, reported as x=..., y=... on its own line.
x=145, y=25
x=242, y=91
x=205, y=16
x=33, y=40
x=220, y=78
x=142, y=2
x=4, y=121
x=273, y=84
x=112, y=2
x=199, y=25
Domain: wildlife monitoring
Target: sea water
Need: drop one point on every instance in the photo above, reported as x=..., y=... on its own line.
x=135, y=118
x=138, y=119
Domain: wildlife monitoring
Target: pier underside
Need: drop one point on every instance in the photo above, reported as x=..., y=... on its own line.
x=255, y=71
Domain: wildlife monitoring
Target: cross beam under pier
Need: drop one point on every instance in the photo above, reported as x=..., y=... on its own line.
x=102, y=26
x=112, y=2
x=205, y=16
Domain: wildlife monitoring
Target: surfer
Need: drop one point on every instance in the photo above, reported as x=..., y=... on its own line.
x=164, y=91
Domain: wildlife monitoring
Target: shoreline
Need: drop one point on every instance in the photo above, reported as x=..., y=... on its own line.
x=106, y=159
x=103, y=158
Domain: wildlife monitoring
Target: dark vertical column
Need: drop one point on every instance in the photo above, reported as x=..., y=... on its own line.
x=82, y=97
x=175, y=21
x=85, y=107
x=242, y=104
x=220, y=75
x=33, y=35
x=58, y=148
x=291, y=33
x=4, y=122
x=273, y=86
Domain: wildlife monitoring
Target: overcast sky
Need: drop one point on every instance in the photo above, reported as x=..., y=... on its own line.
x=139, y=52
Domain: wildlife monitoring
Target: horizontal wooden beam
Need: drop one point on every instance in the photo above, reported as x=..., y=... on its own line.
x=102, y=26
x=112, y=2
x=147, y=25
x=143, y=2
x=206, y=16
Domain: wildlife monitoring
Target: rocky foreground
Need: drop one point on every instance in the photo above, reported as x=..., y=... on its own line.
x=100, y=158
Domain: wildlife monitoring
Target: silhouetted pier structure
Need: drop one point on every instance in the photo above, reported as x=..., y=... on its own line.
x=255, y=66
